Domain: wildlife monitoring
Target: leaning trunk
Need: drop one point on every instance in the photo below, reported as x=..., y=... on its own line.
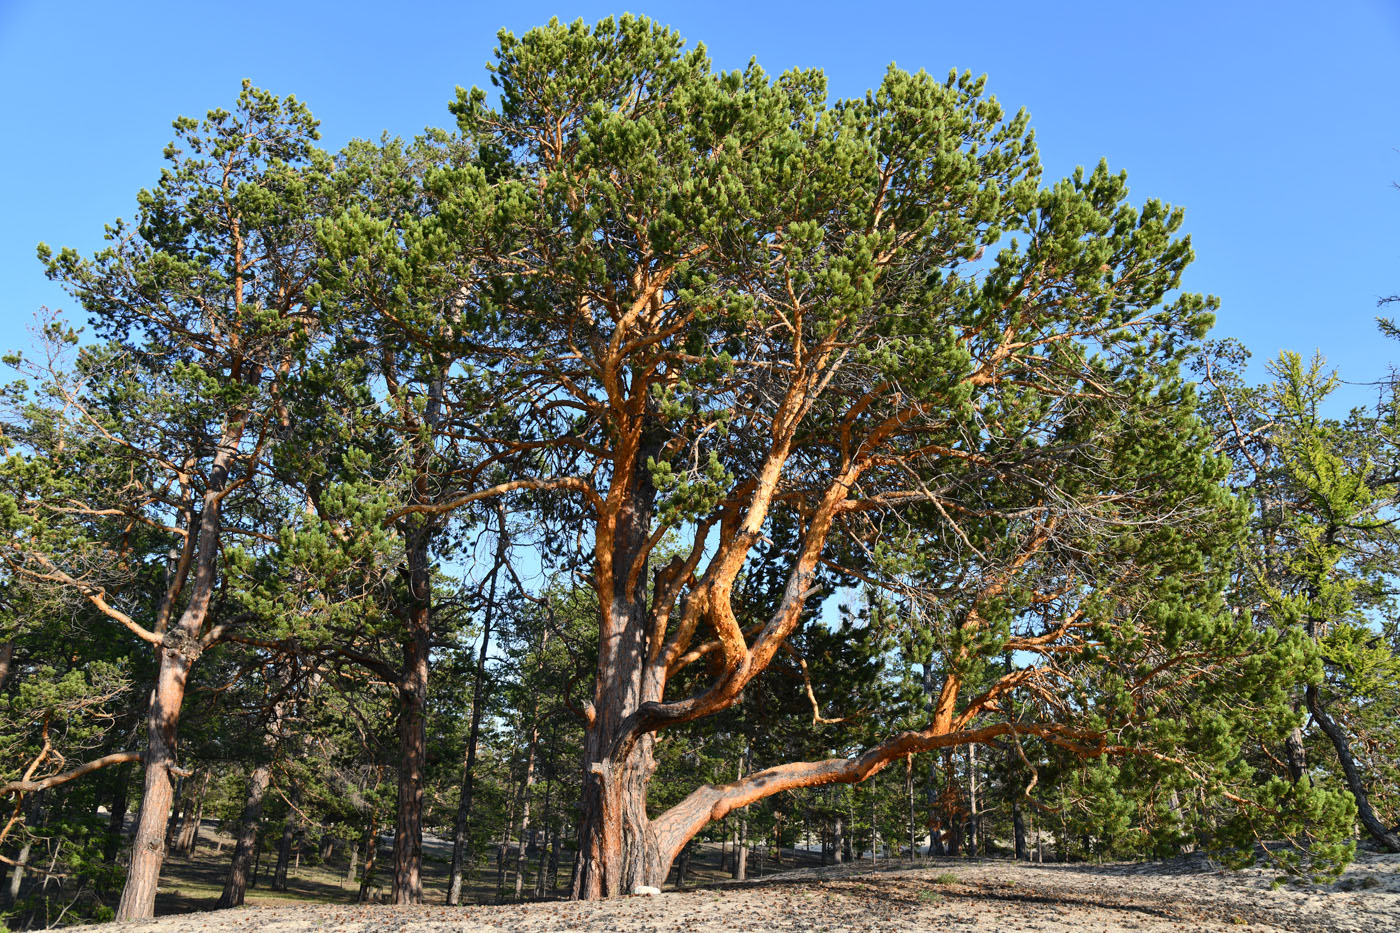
x=1388, y=838
x=180, y=646
x=236, y=886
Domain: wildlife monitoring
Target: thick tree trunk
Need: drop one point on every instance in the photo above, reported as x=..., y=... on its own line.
x=461, y=841
x=1388, y=838
x=620, y=849
x=162, y=730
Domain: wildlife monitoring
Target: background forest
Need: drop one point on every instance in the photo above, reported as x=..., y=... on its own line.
x=664, y=463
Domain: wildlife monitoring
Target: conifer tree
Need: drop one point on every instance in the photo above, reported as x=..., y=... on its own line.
x=202, y=308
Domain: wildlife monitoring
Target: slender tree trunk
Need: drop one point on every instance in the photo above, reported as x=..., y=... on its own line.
x=18, y=869
x=7, y=656
x=461, y=841
x=1388, y=838
x=353, y=855
x=116, y=816
x=188, y=836
x=284, y=849
x=179, y=812
x=1018, y=828
x=741, y=832
x=974, y=847
x=909, y=794
x=551, y=832
x=838, y=838
x=683, y=863
x=236, y=885
x=931, y=796
x=371, y=856
x=503, y=845
x=554, y=859
x=526, y=790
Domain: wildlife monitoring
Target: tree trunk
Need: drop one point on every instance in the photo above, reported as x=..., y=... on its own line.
x=116, y=816
x=138, y=899
x=838, y=839
x=909, y=793
x=525, y=791
x=554, y=860
x=236, y=886
x=503, y=845
x=413, y=735
x=1018, y=827
x=1387, y=838
x=683, y=863
x=188, y=836
x=741, y=833
x=551, y=832
x=371, y=856
x=974, y=818
x=284, y=849
x=353, y=857
x=461, y=851
x=179, y=812
x=180, y=646
x=1295, y=754
x=17, y=871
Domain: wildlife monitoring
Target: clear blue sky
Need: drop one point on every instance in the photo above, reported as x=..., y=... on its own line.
x=1275, y=124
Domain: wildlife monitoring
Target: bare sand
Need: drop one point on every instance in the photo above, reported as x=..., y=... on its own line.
x=942, y=895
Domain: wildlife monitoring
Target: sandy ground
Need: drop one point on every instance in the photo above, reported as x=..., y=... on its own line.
x=944, y=895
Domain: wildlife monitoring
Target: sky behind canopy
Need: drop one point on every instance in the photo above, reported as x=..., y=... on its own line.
x=1276, y=125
